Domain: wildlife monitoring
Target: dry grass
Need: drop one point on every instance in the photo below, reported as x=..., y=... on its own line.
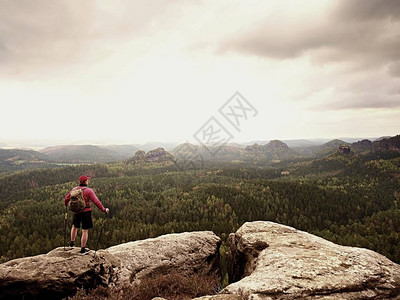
x=172, y=286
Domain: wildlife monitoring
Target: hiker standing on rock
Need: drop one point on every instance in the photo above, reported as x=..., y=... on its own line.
x=82, y=211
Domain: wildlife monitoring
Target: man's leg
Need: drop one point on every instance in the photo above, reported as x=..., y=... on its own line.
x=86, y=225
x=74, y=232
x=85, y=235
x=76, y=224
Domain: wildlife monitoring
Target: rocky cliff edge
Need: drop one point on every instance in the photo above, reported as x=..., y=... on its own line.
x=265, y=261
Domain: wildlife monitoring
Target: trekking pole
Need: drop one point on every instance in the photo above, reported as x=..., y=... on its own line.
x=101, y=231
x=65, y=224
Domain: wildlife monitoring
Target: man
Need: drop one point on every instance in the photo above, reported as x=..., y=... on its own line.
x=84, y=217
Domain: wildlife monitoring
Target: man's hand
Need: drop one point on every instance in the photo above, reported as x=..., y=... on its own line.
x=107, y=210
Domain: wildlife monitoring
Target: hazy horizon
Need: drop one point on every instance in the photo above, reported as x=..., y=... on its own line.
x=134, y=72
x=41, y=144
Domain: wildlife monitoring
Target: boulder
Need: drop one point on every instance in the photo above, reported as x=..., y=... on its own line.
x=273, y=261
x=187, y=253
x=55, y=275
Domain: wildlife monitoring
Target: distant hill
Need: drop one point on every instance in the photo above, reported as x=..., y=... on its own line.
x=388, y=144
x=292, y=143
x=275, y=149
x=14, y=155
x=382, y=138
x=80, y=154
x=327, y=148
x=365, y=146
x=17, y=159
x=362, y=146
x=254, y=149
x=276, y=146
x=258, y=142
x=188, y=151
x=301, y=143
x=153, y=145
x=333, y=143
x=234, y=152
x=122, y=152
x=353, y=139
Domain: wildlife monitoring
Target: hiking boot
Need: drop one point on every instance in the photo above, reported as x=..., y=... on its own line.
x=84, y=251
x=71, y=245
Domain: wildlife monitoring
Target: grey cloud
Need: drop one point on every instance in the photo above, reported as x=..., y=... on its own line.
x=365, y=91
x=32, y=31
x=367, y=10
x=363, y=100
x=394, y=69
x=41, y=35
x=360, y=40
x=357, y=36
x=340, y=41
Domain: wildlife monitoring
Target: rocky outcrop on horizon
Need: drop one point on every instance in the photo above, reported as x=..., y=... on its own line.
x=273, y=261
x=344, y=149
x=158, y=155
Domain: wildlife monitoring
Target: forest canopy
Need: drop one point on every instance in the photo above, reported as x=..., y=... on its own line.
x=348, y=199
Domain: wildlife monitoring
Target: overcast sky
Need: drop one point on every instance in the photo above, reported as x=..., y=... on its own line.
x=158, y=70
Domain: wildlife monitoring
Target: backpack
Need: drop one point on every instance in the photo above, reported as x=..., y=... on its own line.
x=77, y=202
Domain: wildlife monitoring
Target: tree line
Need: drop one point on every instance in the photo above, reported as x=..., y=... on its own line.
x=348, y=200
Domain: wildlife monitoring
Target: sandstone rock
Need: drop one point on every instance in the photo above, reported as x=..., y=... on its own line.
x=158, y=155
x=273, y=261
x=220, y=297
x=55, y=275
x=189, y=252
x=344, y=149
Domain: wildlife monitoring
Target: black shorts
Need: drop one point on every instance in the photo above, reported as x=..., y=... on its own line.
x=85, y=218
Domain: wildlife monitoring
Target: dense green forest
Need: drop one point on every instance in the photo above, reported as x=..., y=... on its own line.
x=348, y=199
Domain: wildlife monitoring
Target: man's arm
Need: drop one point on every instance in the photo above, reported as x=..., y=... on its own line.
x=67, y=198
x=96, y=201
